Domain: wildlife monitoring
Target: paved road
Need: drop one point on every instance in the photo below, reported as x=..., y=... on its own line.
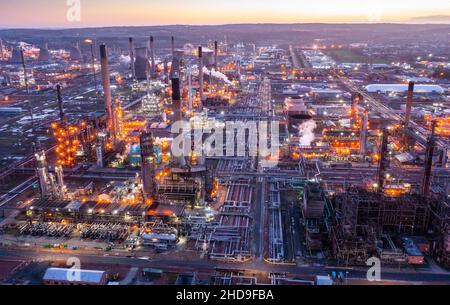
x=208, y=265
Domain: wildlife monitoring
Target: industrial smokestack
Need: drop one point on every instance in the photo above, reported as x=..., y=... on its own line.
x=176, y=99
x=25, y=75
x=1, y=49
x=200, y=73
x=166, y=71
x=428, y=161
x=356, y=98
x=363, y=134
x=130, y=41
x=216, y=49
x=148, y=158
x=172, y=40
x=106, y=87
x=22, y=58
x=189, y=76
x=383, y=160
x=60, y=104
x=152, y=56
x=409, y=101
x=176, y=108
x=141, y=63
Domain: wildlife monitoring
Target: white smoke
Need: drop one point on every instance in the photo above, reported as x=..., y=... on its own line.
x=306, y=132
x=216, y=74
x=190, y=49
x=125, y=59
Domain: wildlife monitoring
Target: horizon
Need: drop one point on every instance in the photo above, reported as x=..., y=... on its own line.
x=109, y=13
x=224, y=24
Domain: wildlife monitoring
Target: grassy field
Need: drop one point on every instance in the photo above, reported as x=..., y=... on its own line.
x=349, y=56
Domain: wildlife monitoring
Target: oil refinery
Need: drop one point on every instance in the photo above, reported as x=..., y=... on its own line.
x=145, y=149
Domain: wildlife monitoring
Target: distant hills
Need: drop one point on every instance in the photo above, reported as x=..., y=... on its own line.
x=414, y=31
x=431, y=19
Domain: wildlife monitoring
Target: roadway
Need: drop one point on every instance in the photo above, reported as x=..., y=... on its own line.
x=256, y=267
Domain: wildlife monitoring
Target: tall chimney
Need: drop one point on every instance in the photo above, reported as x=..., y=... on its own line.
x=152, y=57
x=148, y=157
x=409, y=100
x=363, y=134
x=176, y=108
x=166, y=71
x=1, y=50
x=130, y=41
x=200, y=73
x=25, y=75
x=60, y=105
x=215, y=54
x=428, y=161
x=107, y=86
x=383, y=160
x=189, y=76
x=356, y=97
x=176, y=99
x=172, y=40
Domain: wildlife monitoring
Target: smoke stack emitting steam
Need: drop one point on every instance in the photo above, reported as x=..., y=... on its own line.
x=216, y=74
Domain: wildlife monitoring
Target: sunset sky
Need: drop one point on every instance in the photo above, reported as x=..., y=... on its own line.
x=52, y=13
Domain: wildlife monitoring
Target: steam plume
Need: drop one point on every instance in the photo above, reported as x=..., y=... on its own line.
x=306, y=132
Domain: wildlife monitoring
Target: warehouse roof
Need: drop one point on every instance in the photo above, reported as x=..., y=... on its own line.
x=68, y=274
x=403, y=88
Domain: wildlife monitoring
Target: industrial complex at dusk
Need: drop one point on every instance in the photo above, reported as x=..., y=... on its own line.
x=246, y=154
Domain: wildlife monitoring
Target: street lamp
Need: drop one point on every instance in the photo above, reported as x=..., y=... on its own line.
x=91, y=43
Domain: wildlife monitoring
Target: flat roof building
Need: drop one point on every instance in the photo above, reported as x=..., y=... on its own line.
x=69, y=276
x=384, y=88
